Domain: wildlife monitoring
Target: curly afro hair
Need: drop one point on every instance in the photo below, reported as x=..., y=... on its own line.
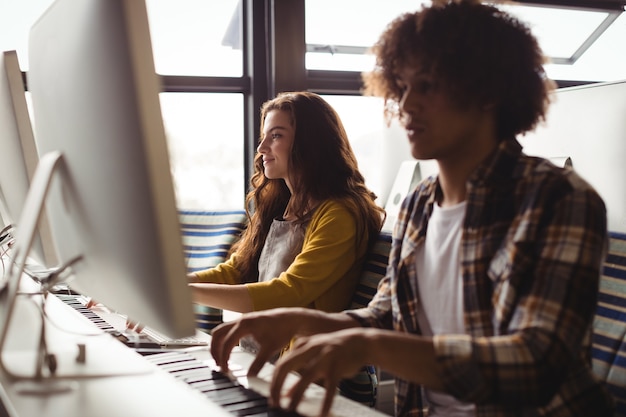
x=478, y=53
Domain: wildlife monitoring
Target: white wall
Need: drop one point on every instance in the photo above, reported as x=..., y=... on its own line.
x=588, y=124
x=395, y=150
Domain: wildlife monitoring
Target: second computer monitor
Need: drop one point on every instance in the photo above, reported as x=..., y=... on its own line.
x=18, y=157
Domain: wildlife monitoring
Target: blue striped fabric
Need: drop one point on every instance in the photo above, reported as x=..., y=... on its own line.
x=609, y=327
x=207, y=236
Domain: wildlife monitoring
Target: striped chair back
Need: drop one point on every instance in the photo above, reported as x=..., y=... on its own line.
x=363, y=386
x=609, y=326
x=207, y=237
x=373, y=271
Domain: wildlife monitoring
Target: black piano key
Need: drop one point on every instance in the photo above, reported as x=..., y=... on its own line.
x=211, y=375
x=273, y=412
x=233, y=395
x=207, y=386
x=246, y=407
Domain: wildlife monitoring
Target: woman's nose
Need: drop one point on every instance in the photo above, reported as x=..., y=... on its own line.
x=262, y=146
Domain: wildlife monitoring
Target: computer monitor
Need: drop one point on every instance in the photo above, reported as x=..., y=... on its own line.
x=18, y=157
x=95, y=98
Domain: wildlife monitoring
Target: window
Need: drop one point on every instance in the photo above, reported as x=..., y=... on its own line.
x=205, y=131
x=584, y=44
x=335, y=42
x=205, y=139
x=363, y=120
x=196, y=37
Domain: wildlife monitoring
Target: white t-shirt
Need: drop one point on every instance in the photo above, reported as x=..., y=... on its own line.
x=441, y=293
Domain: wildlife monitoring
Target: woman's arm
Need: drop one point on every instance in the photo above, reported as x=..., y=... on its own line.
x=224, y=296
x=219, y=287
x=224, y=273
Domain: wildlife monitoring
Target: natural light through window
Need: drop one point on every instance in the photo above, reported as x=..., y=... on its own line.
x=336, y=43
x=559, y=31
x=196, y=37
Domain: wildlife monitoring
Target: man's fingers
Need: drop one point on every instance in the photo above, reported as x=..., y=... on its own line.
x=301, y=361
x=222, y=345
x=296, y=392
x=277, y=382
x=329, y=397
x=259, y=361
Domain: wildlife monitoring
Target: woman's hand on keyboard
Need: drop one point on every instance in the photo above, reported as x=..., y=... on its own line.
x=130, y=324
x=134, y=326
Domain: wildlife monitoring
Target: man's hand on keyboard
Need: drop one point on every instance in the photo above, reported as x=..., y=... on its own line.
x=271, y=329
x=275, y=329
x=324, y=359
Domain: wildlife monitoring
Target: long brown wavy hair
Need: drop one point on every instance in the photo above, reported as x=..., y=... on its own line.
x=322, y=166
x=478, y=53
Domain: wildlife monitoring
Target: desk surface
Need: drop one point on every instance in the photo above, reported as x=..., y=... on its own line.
x=114, y=380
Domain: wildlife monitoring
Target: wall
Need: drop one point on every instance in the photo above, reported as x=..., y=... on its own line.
x=585, y=123
x=588, y=124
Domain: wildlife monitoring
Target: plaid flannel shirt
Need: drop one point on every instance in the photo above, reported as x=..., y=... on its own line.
x=534, y=238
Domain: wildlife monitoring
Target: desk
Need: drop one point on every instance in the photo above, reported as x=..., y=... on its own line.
x=130, y=386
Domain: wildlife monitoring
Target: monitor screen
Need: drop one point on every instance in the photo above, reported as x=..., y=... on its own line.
x=19, y=157
x=95, y=97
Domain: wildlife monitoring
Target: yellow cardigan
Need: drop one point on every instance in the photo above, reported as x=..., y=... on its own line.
x=323, y=276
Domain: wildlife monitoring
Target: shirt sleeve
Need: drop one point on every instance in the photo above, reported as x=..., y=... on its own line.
x=329, y=252
x=224, y=273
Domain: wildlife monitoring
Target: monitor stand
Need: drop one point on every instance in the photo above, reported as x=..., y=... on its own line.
x=80, y=352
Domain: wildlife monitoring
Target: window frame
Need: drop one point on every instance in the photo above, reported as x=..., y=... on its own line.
x=274, y=52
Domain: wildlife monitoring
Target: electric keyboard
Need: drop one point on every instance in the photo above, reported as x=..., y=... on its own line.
x=147, y=338
x=234, y=392
x=216, y=386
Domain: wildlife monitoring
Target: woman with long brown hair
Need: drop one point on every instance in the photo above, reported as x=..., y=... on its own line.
x=311, y=216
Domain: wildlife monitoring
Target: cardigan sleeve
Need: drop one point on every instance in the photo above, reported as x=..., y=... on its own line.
x=226, y=272
x=324, y=274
